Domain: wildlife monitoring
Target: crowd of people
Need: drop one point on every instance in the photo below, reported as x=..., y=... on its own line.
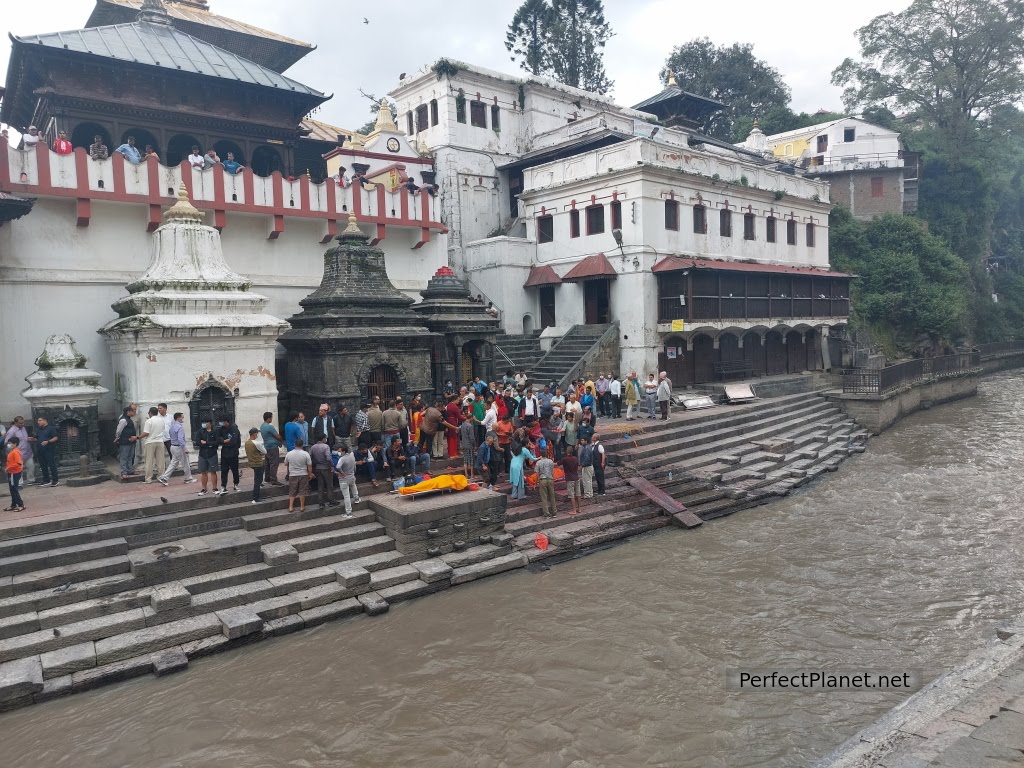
x=501, y=431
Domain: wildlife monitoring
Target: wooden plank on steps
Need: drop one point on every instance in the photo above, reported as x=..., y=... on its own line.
x=672, y=507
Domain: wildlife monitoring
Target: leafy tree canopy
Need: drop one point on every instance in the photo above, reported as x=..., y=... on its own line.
x=948, y=63
x=732, y=75
x=562, y=39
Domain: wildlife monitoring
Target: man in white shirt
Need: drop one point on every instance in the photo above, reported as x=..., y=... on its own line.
x=490, y=417
x=345, y=468
x=196, y=159
x=615, y=391
x=31, y=138
x=530, y=408
x=152, y=438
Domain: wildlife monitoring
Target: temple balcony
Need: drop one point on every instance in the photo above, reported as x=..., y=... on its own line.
x=43, y=173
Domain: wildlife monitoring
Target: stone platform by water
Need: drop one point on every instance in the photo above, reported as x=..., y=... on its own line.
x=131, y=588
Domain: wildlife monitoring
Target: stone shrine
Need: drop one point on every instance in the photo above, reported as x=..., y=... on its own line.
x=67, y=394
x=190, y=333
x=357, y=335
x=465, y=347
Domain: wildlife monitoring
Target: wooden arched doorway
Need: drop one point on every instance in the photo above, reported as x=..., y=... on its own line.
x=266, y=160
x=85, y=133
x=703, y=358
x=180, y=147
x=729, y=348
x=775, y=353
x=812, y=339
x=753, y=352
x=211, y=401
x=675, y=361
x=382, y=381
x=796, y=352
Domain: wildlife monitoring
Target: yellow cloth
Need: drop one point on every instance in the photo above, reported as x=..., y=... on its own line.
x=439, y=483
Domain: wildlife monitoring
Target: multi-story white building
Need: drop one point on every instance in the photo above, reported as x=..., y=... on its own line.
x=867, y=166
x=567, y=209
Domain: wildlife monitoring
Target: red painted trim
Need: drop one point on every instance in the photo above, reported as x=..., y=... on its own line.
x=219, y=217
x=156, y=198
x=403, y=203
x=381, y=234
x=84, y=211
x=304, y=193
x=424, y=238
x=277, y=185
x=118, y=162
x=332, y=205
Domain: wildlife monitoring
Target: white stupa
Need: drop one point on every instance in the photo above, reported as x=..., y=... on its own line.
x=190, y=333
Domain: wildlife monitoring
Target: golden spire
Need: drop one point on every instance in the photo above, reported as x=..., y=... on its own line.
x=672, y=79
x=183, y=210
x=353, y=226
x=385, y=121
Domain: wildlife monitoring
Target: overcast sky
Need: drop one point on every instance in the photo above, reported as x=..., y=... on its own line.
x=803, y=39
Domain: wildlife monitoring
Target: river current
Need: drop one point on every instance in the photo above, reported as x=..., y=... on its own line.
x=906, y=558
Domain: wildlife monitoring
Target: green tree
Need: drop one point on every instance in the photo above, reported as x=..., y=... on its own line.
x=911, y=287
x=528, y=36
x=731, y=74
x=948, y=63
x=579, y=33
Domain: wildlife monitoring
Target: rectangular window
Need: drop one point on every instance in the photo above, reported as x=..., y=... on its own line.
x=810, y=235
x=791, y=232
x=495, y=118
x=748, y=227
x=574, y=223
x=849, y=134
x=877, y=186
x=478, y=114
x=460, y=108
x=409, y=121
x=616, y=207
x=823, y=143
x=700, y=220
x=433, y=111
x=725, y=222
x=770, y=229
x=672, y=215
x=595, y=219
x=545, y=229
x=421, y=118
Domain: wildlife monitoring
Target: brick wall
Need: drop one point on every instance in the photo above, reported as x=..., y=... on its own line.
x=857, y=190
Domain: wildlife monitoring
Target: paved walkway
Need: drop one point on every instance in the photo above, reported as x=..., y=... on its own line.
x=45, y=504
x=972, y=717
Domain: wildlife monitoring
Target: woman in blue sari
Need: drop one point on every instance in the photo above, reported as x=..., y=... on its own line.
x=516, y=475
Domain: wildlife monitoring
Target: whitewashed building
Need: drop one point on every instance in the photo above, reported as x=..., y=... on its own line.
x=566, y=209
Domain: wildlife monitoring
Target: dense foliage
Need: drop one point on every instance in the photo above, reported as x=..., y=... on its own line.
x=563, y=39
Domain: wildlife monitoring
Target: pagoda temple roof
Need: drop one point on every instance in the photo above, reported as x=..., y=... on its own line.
x=164, y=46
x=266, y=48
x=674, y=105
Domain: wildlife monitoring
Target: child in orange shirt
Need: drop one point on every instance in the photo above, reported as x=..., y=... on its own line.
x=15, y=466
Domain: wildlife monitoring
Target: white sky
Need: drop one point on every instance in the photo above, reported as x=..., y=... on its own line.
x=803, y=39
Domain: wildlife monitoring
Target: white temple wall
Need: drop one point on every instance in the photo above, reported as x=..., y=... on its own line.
x=56, y=277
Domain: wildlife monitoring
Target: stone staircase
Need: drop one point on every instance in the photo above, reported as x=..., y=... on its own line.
x=523, y=351
x=128, y=593
x=560, y=360
x=714, y=463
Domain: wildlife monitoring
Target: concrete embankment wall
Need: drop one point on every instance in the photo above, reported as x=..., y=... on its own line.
x=877, y=414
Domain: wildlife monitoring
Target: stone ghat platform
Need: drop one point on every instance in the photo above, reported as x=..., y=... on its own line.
x=971, y=717
x=139, y=588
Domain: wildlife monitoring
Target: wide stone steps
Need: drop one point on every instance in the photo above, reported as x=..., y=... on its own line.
x=652, y=431
x=724, y=441
x=753, y=428
x=307, y=527
x=590, y=510
x=54, y=558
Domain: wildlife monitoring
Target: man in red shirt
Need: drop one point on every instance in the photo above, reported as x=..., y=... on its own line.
x=62, y=146
x=453, y=414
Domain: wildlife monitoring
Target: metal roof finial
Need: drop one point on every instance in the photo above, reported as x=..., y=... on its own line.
x=154, y=12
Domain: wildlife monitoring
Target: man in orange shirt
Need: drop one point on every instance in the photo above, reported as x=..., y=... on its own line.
x=14, y=467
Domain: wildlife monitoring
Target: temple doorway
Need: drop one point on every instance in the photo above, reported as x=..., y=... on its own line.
x=597, y=302
x=382, y=382
x=210, y=402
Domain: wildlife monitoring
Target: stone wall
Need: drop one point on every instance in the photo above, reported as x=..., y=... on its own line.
x=1002, y=362
x=877, y=414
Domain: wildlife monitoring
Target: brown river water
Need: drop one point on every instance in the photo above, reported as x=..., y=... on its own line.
x=907, y=557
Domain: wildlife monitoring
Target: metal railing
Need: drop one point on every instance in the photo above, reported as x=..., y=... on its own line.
x=997, y=348
x=892, y=378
